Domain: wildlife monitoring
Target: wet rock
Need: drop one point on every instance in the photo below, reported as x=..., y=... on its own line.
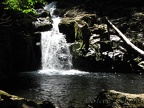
x=82, y=34
x=43, y=13
x=43, y=21
x=42, y=24
x=37, y=36
x=47, y=104
x=67, y=27
x=90, y=19
x=95, y=29
x=104, y=38
x=115, y=99
x=73, y=26
x=116, y=41
x=71, y=13
x=97, y=43
x=11, y=101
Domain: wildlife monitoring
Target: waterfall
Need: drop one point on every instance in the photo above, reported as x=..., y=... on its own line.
x=55, y=50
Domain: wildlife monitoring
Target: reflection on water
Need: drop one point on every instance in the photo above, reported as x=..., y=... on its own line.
x=65, y=89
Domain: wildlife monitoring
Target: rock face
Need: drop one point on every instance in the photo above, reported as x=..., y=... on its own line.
x=12, y=101
x=20, y=40
x=115, y=99
x=42, y=24
x=94, y=45
x=67, y=26
x=43, y=21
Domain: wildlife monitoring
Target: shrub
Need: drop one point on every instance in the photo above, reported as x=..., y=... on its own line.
x=25, y=6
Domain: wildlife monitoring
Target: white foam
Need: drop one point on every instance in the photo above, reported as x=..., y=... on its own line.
x=62, y=72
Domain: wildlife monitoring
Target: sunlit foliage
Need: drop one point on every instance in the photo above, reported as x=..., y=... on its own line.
x=25, y=6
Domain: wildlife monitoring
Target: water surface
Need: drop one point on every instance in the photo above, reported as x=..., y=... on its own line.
x=70, y=87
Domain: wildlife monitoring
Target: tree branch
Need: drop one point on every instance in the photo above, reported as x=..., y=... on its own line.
x=5, y=21
x=125, y=39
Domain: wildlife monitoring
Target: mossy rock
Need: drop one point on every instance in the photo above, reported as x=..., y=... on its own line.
x=90, y=19
x=75, y=30
x=115, y=99
x=82, y=34
x=42, y=26
x=66, y=26
x=106, y=46
x=11, y=101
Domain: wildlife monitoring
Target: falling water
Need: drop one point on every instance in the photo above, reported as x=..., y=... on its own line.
x=55, y=50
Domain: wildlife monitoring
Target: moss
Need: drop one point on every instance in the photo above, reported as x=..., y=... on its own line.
x=65, y=21
x=82, y=34
x=71, y=13
x=90, y=19
x=78, y=32
x=66, y=26
x=119, y=99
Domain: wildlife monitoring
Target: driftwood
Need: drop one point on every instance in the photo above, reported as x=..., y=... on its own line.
x=126, y=40
x=115, y=99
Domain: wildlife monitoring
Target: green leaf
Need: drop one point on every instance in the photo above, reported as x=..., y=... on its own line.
x=25, y=6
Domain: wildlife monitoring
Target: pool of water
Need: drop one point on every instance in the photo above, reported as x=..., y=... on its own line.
x=73, y=87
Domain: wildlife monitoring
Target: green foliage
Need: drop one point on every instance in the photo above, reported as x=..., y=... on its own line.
x=25, y=6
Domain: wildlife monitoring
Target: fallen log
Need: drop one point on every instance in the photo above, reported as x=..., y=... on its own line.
x=126, y=40
x=115, y=99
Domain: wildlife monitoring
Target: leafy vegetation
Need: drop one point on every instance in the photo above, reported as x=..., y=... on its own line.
x=25, y=6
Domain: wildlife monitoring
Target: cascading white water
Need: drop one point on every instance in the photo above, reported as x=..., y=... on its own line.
x=55, y=50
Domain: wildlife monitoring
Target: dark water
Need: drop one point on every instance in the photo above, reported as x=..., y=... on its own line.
x=64, y=89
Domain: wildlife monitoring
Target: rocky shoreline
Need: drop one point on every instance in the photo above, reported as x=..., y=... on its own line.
x=105, y=99
x=11, y=101
x=115, y=99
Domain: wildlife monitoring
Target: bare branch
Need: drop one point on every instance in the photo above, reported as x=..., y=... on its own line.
x=5, y=21
x=126, y=40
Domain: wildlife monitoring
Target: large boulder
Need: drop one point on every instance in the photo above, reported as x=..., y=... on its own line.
x=90, y=19
x=76, y=27
x=42, y=13
x=104, y=38
x=115, y=99
x=88, y=45
x=82, y=34
x=66, y=26
x=42, y=24
x=11, y=101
